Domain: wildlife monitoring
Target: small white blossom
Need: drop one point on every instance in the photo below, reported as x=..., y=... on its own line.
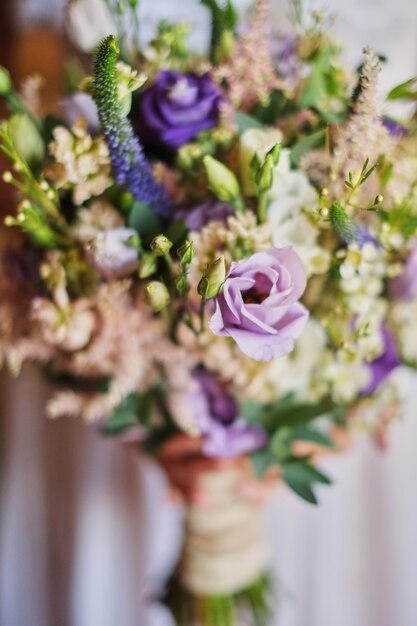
x=82, y=164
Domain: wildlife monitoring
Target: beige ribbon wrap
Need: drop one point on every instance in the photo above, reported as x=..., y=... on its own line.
x=224, y=549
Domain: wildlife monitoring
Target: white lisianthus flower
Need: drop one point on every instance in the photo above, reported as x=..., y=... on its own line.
x=290, y=194
x=256, y=141
x=87, y=22
x=300, y=233
x=304, y=361
x=292, y=198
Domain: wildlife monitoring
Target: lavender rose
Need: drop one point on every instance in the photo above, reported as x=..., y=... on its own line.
x=258, y=306
x=176, y=108
x=404, y=286
x=225, y=434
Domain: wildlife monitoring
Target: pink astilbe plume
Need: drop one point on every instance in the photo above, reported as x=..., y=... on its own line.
x=121, y=350
x=363, y=135
x=248, y=74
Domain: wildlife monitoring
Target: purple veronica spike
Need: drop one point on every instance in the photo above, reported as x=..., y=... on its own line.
x=129, y=163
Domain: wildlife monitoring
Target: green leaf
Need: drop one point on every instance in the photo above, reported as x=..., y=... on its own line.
x=245, y=121
x=296, y=414
x=157, y=437
x=401, y=219
x=306, y=144
x=301, y=476
x=133, y=410
x=261, y=461
x=305, y=433
x=176, y=232
x=301, y=489
x=251, y=411
x=143, y=219
x=49, y=123
x=404, y=91
x=223, y=18
x=124, y=416
x=276, y=107
x=280, y=443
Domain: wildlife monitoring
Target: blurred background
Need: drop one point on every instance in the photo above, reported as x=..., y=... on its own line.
x=87, y=534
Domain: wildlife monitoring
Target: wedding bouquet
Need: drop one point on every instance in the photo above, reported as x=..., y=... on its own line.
x=218, y=250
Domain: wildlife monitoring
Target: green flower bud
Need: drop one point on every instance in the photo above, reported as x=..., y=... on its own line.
x=26, y=138
x=157, y=295
x=134, y=242
x=181, y=283
x=186, y=252
x=5, y=81
x=212, y=279
x=275, y=152
x=161, y=245
x=222, y=181
x=126, y=201
x=147, y=265
x=225, y=46
x=265, y=175
x=254, y=146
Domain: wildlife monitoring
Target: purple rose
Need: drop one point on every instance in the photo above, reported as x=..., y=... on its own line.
x=114, y=252
x=225, y=434
x=198, y=215
x=176, y=108
x=382, y=366
x=404, y=286
x=258, y=306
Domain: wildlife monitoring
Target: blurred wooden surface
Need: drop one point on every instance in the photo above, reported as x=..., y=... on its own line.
x=40, y=51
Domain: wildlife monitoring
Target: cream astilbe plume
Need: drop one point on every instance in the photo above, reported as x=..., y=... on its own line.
x=249, y=73
x=363, y=135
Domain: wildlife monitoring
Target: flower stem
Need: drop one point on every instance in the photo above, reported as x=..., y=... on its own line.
x=201, y=313
x=262, y=206
x=239, y=205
